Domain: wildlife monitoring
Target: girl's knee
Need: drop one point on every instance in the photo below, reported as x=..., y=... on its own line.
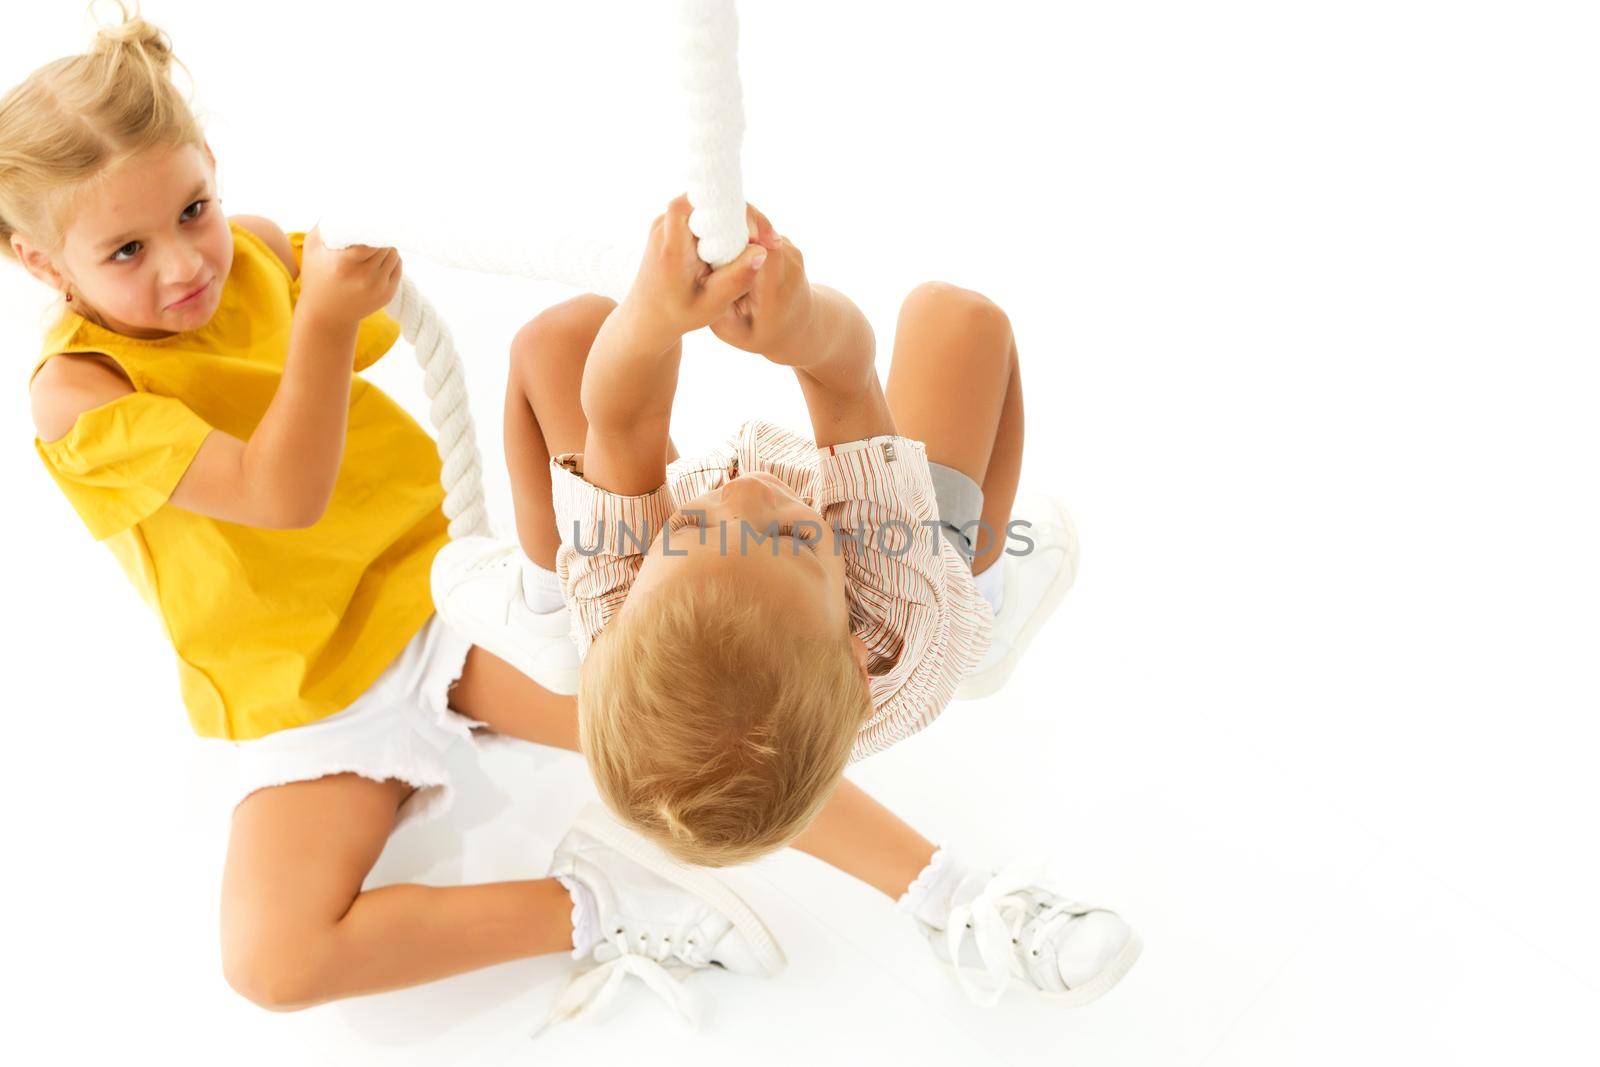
x=275, y=971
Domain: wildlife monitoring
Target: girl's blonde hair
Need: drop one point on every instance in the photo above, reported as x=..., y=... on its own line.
x=73, y=120
x=711, y=726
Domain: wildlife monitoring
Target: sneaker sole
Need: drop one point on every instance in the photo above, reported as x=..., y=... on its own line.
x=597, y=822
x=991, y=681
x=1092, y=990
x=1101, y=984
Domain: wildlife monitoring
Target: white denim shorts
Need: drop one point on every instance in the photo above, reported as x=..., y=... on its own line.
x=399, y=728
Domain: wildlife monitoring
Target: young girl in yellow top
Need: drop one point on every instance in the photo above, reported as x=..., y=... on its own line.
x=199, y=402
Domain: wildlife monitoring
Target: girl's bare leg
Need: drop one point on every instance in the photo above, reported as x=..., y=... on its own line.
x=954, y=384
x=298, y=931
x=543, y=418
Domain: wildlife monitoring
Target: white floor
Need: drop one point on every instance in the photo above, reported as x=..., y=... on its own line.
x=1279, y=929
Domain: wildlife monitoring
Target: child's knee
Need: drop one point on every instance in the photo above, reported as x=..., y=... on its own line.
x=953, y=309
x=558, y=338
x=273, y=971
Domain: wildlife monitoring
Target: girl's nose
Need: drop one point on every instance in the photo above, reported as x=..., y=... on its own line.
x=184, y=265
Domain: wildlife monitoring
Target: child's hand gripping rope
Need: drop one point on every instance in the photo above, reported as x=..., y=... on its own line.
x=346, y=284
x=774, y=318
x=675, y=292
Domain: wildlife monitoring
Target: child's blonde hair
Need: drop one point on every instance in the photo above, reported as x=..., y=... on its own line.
x=711, y=727
x=74, y=119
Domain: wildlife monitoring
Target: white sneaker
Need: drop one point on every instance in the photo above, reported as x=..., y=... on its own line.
x=1021, y=935
x=1034, y=584
x=477, y=590
x=656, y=917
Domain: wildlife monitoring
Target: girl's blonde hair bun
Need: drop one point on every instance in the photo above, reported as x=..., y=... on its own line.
x=136, y=37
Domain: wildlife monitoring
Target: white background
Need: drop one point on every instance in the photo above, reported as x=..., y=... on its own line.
x=1305, y=302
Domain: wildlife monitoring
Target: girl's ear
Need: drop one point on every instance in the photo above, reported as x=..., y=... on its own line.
x=37, y=263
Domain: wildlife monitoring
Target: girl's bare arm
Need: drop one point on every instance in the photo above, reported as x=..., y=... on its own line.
x=281, y=478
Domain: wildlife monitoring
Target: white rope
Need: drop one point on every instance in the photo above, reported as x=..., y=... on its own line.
x=709, y=34
x=581, y=262
x=457, y=440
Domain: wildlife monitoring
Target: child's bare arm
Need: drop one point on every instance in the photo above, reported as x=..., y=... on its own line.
x=819, y=333
x=631, y=374
x=284, y=475
x=627, y=391
x=838, y=374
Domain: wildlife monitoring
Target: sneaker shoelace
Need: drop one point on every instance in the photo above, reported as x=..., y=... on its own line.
x=496, y=558
x=501, y=558
x=1010, y=901
x=661, y=968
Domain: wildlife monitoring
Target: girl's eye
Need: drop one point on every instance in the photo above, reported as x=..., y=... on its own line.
x=131, y=249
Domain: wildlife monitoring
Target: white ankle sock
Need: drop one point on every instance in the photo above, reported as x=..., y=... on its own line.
x=540, y=588
x=931, y=894
x=991, y=583
x=585, y=917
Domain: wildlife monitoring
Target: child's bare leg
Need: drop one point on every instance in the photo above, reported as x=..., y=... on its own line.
x=543, y=417
x=509, y=702
x=954, y=384
x=867, y=841
x=298, y=931
x=546, y=373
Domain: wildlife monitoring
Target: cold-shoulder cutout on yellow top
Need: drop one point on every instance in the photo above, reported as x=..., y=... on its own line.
x=69, y=385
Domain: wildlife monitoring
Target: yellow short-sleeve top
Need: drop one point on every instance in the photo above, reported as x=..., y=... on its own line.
x=272, y=628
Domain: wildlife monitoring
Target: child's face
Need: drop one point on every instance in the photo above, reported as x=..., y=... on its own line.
x=148, y=247
x=807, y=577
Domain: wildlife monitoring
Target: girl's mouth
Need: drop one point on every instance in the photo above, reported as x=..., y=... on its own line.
x=186, y=301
